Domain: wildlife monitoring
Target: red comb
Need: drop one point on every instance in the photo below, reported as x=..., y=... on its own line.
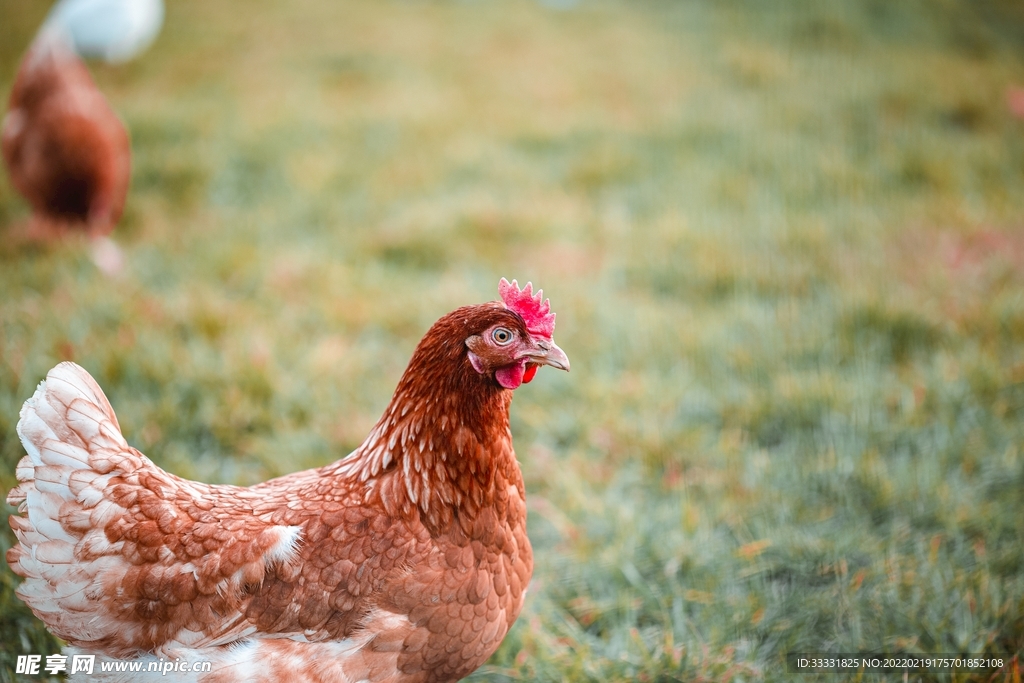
x=537, y=315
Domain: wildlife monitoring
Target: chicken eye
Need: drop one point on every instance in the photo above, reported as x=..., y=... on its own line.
x=501, y=335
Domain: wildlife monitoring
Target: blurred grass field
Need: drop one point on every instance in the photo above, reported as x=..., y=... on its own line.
x=785, y=243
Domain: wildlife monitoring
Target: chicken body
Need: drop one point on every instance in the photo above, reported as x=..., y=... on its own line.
x=65, y=149
x=406, y=561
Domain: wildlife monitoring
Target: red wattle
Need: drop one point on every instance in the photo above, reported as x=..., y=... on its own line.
x=510, y=376
x=531, y=370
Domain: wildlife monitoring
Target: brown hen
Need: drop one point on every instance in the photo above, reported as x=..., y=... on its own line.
x=65, y=149
x=406, y=561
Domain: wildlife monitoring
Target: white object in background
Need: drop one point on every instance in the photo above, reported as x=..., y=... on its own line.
x=107, y=256
x=111, y=30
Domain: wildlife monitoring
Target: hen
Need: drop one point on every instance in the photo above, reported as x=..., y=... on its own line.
x=405, y=561
x=65, y=149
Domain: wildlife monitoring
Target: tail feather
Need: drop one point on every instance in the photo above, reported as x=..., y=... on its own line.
x=67, y=401
x=106, y=539
x=66, y=419
x=49, y=528
x=68, y=429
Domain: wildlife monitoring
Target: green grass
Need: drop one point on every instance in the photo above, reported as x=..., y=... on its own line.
x=785, y=243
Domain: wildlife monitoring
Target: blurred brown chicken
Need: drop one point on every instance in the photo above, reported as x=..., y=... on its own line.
x=65, y=149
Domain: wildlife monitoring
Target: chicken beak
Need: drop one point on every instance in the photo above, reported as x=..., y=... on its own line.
x=546, y=352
